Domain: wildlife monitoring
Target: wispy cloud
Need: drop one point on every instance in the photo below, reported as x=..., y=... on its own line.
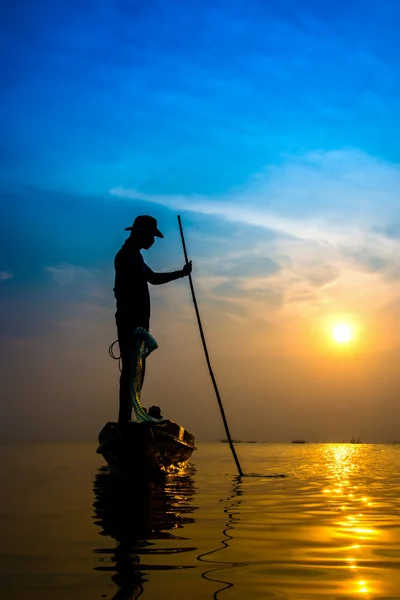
x=342, y=199
x=66, y=274
x=4, y=275
x=335, y=224
x=83, y=284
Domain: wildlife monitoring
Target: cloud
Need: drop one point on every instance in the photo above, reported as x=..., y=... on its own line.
x=4, y=275
x=230, y=287
x=341, y=199
x=330, y=244
x=321, y=195
x=66, y=274
x=243, y=266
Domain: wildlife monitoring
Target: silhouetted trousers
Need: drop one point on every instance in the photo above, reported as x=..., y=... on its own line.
x=128, y=371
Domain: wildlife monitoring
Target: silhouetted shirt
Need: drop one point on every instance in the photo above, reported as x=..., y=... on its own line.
x=131, y=289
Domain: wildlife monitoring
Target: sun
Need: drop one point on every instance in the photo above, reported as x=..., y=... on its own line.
x=342, y=333
x=339, y=333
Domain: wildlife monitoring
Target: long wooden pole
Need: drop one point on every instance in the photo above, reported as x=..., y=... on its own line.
x=221, y=408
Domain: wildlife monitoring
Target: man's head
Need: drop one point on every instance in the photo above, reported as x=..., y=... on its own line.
x=144, y=230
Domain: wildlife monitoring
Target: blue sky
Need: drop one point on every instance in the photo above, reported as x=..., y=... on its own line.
x=181, y=97
x=271, y=128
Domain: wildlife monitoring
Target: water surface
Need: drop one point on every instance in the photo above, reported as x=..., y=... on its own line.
x=329, y=530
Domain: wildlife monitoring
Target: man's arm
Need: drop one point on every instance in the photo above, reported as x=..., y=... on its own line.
x=160, y=278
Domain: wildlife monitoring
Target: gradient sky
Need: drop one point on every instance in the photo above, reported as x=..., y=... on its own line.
x=273, y=131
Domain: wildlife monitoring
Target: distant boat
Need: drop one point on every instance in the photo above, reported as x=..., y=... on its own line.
x=355, y=441
x=225, y=441
x=298, y=441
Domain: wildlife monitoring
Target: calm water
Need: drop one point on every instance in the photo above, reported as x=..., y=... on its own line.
x=329, y=530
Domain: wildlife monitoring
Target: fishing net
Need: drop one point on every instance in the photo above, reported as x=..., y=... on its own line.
x=144, y=344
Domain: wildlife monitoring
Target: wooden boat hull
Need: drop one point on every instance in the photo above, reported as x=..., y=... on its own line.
x=145, y=448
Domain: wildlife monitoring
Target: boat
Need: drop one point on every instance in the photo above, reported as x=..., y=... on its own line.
x=298, y=441
x=355, y=441
x=145, y=448
x=146, y=445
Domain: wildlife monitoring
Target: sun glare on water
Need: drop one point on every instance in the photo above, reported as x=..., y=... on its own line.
x=342, y=333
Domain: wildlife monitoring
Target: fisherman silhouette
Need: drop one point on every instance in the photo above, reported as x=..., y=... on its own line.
x=131, y=292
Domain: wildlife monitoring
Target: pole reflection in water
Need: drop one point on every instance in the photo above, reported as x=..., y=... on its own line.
x=231, y=509
x=137, y=516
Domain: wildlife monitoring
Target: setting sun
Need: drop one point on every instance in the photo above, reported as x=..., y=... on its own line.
x=339, y=333
x=342, y=333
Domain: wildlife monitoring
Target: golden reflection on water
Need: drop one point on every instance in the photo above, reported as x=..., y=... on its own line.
x=344, y=461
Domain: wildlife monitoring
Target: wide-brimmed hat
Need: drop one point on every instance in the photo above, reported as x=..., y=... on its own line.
x=147, y=224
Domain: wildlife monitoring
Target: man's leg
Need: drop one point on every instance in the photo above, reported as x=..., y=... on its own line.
x=126, y=350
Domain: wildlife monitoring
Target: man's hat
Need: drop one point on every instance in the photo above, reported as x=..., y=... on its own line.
x=147, y=224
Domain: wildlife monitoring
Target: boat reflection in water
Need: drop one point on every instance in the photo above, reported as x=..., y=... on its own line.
x=137, y=516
